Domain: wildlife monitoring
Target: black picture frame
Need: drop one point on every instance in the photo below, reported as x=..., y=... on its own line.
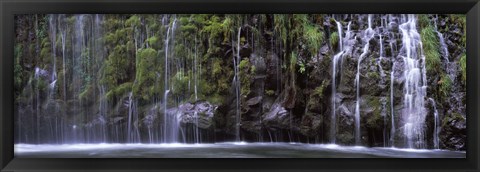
x=8, y=8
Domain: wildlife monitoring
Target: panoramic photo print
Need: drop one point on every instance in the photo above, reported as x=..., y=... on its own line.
x=240, y=86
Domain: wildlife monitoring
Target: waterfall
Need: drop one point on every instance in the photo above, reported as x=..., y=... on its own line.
x=238, y=117
x=85, y=97
x=435, y=124
x=195, y=70
x=165, y=115
x=336, y=58
x=133, y=134
x=415, y=84
x=170, y=130
x=340, y=41
x=53, y=38
x=196, y=132
x=444, y=48
x=392, y=107
x=369, y=33
x=333, y=122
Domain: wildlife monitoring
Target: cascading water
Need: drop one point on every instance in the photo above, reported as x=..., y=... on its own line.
x=415, y=86
x=369, y=33
x=392, y=106
x=444, y=48
x=132, y=130
x=337, y=58
x=237, y=89
x=91, y=107
x=333, y=122
x=435, y=124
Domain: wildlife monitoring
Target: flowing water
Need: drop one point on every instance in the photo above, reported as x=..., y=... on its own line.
x=93, y=133
x=368, y=35
x=415, y=87
x=224, y=150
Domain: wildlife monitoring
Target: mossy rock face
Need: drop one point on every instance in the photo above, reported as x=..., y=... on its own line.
x=452, y=125
x=431, y=50
x=119, y=91
x=285, y=72
x=87, y=97
x=311, y=125
x=372, y=113
x=317, y=99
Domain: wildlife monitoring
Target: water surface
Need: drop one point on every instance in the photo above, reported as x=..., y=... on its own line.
x=224, y=150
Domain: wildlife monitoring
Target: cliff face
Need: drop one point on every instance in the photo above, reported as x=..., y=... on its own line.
x=373, y=80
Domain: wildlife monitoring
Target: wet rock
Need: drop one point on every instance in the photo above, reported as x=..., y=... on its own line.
x=200, y=114
x=278, y=116
x=254, y=101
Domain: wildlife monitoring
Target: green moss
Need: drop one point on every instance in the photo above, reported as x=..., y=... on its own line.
x=451, y=117
x=270, y=92
x=334, y=39
x=293, y=61
x=180, y=84
x=244, y=63
x=116, y=67
x=423, y=20
x=45, y=52
x=245, y=76
x=431, y=49
x=134, y=20
x=280, y=21
x=445, y=85
x=461, y=19
x=216, y=99
x=318, y=95
x=376, y=119
x=154, y=42
x=217, y=67
x=319, y=91
x=373, y=75
x=314, y=38
x=463, y=68
x=145, y=78
x=87, y=92
x=119, y=91
x=41, y=85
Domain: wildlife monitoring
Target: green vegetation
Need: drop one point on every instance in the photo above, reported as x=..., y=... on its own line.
x=431, y=49
x=127, y=53
x=314, y=38
x=452, y=117
x=246, y=76
x=376, y=117
x=270, y=92
x=145, y=78
x=423, y=20
x=461, y=19
x=463, y=67
x=445, y=85
x=334, y=39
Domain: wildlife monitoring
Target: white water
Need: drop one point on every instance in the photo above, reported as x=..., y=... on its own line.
x=226, y=150
x=369, y=33
x=415, y=86
x=444, y=47
x=344, y=48
x=333, y=123
x=237, y=89
x=435, y=123
x=392, y=107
